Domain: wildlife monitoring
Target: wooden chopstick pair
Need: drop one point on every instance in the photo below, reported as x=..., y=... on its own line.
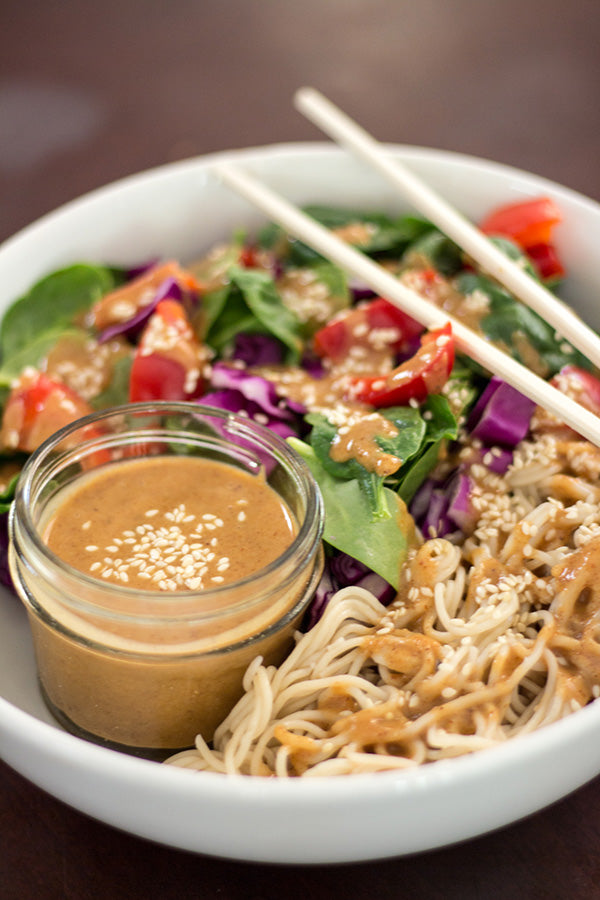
x=279, y=210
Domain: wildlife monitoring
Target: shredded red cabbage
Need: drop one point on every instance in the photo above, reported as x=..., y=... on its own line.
x=443, y=508
x=501, y=416
x=360, y=290
x=460, y=510
x=313, y=365
x=254, y=388
x=326, y=588
x=342, y=570
x=235, y=402
x=132, y=327
x=500, y=419
x=435, y=522
x=257, y=349
x=140, y=269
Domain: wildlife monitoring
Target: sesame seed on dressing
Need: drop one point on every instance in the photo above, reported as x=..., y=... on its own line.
x=173, y=553
x=169, y=524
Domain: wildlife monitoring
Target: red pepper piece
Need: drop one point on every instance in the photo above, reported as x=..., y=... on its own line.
x=168, y=360
x=36, y=408
x=424, y=373
x=353, y=327
x=527, y=222
x=546, y=261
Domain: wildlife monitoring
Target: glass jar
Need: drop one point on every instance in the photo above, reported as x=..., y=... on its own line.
x=146, y=670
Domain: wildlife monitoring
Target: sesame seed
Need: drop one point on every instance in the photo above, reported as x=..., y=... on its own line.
x=168, y=555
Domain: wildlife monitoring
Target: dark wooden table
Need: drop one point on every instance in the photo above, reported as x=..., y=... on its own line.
x=92, y=91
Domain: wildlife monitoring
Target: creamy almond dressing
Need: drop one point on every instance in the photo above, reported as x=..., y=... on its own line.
x=169, y=523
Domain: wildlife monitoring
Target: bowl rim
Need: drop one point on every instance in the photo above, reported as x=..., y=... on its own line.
x=280, y=150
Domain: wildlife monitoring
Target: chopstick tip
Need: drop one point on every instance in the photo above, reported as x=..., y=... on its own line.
x=305, y=95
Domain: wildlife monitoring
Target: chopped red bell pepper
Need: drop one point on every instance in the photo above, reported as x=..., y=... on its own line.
x=527, y=222
x=546, y=262
x=168, y=360
x=354, y=328
x=530, y=224
x=424, y=373
x=249, y=257
x=579, y=384
x=36, y=408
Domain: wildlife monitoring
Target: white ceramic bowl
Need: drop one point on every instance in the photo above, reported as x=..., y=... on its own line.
x=180, y=210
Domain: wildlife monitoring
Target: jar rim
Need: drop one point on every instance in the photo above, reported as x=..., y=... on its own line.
x=304, y=543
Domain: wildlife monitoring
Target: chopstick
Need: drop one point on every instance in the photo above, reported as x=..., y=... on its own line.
x=296, y=222
x=338, y=125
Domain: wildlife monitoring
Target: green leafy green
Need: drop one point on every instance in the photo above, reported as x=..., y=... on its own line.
x=33, y=353
x=514, y=252
x=53, y=304
x=321, y=438
x=421, y=433
x=438, y=251
x=250, y=303
x=379, y=542
x=440, y=426
x=519, y=328
x=8, y=494
x=299, y=286
x=388, y=235
x=211, y=270
x=405, y=444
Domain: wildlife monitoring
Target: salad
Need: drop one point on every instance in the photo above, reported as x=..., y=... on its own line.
x=264, y=326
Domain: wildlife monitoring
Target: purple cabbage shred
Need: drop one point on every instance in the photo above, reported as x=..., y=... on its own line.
x=132, y=327
x=257, y=349
x=501, y=416
x=342, y=570
x=254, y=389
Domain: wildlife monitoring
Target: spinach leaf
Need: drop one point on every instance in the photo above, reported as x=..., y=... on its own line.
x=438, y=251
x=225, y=315
x=8, y=494
x=404, y=445
x=514, y=252
x=388, y=235
x=520, y=329
x=321, y=438
x=52, y=304
x=441, y=426
x=32, y=353
x=380, y=543
x=411, y=429
x=314, y=293
x=250, y=303
x=415, y=474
